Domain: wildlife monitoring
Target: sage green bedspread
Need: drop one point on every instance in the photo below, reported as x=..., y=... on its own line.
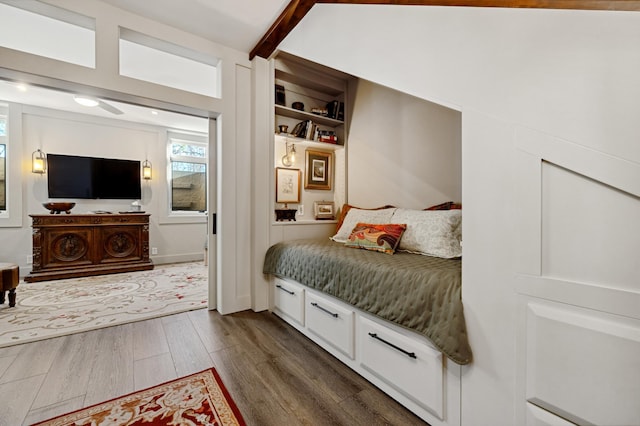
x=421, y=293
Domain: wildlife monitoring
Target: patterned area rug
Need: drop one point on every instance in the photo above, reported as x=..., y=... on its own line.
x=55, y=308
x=199, y=399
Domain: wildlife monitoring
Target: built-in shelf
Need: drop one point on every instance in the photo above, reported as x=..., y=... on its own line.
x=313, y=87
x=303, y=115
x=307, y=143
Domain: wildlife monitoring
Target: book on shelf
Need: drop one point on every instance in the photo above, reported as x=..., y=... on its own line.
x=299, y=129
x=306, y=130
x=280, y=95
x=327, y=136
x=320, y=111
x=335, y=110
x=309, y=130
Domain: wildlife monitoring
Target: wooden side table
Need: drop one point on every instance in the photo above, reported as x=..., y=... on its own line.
x=9, y=278
x=286, y=214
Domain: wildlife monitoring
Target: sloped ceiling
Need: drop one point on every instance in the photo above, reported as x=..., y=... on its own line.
x=258, y=26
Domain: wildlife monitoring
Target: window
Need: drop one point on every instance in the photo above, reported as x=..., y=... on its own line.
x=188, y=175
x=149, y=59
x=10, y=172
x=45, y=30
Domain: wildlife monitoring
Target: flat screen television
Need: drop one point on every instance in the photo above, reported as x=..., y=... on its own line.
x=72, y=176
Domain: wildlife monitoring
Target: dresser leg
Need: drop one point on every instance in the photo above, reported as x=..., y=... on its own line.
x=2, y=297
x=12, y=297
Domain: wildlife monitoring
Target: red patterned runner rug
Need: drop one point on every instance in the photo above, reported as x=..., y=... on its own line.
x=199, y=399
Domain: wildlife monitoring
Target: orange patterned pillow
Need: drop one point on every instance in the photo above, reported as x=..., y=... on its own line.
x=383, y=238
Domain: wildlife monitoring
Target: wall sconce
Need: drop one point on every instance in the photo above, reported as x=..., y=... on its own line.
x=290, y=155
x=38, y=162
x=146, y=170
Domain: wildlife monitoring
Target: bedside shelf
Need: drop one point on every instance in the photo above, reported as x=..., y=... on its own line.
x=308, y=143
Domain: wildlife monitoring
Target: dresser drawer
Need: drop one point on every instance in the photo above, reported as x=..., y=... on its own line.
x=411, y=367
x=288, y=299
x=538, y=417
x=331, y=322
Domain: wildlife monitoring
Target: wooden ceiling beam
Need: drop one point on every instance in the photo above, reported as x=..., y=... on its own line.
x=288, y=19
x=627, y=5
x=297, y=9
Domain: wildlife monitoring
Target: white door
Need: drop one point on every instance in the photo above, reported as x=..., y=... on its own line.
x=212, y=225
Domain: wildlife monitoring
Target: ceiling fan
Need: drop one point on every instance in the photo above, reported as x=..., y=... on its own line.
x=90, y=101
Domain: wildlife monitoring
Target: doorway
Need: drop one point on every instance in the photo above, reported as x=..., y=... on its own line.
x=50, y=119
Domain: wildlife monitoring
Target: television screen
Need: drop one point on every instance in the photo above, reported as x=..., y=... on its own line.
x=72, y=176
x=69, y=176
x=118, y=179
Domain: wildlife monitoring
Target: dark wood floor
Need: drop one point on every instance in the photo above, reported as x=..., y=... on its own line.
x=276, y=375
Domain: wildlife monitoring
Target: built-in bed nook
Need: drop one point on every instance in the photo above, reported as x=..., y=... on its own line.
x=367, y=260
x=384, y=296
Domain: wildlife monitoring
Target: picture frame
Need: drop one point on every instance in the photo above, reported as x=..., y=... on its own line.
x=319, y=170
x=324, y=210
x=287, y=185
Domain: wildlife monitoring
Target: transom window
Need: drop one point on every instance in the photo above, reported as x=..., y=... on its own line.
x=45, y=30
x=150, y=59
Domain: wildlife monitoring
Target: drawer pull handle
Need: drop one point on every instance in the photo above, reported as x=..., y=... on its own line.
x=285, y=290
x=407, y=353
x=333, y=314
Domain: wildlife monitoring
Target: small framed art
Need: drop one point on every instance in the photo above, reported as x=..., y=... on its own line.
x=319, y=170
x=324, y=210
x=287, y=185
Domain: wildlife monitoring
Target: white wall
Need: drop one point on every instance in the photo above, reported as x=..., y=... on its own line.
x=403, y=150
x=570, y=74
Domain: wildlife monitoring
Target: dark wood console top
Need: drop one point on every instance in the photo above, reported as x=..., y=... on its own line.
x=90, y=219
x=77, y=245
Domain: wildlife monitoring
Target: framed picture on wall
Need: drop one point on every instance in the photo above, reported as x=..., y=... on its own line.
x=287, y=185
x=319, y=170
x=323, y=210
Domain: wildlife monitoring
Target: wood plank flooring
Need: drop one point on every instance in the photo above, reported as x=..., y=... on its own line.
x=276, y=375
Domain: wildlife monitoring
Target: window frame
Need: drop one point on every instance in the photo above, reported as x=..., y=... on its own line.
x=12, y=216
x=190, y=139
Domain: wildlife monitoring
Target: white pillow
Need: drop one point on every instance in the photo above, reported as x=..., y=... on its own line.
x=355, y=216
x=430, y=232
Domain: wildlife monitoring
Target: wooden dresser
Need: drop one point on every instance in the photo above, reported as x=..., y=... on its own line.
x=77, y=245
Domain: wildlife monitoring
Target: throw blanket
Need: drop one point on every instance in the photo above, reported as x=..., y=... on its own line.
x=421, y=293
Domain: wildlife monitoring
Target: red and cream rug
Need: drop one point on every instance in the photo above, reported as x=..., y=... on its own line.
x=199, y=399
x=59, y=307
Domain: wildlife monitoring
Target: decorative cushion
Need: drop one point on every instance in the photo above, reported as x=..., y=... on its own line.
x=345, y=209
x=355, y=216
x=430, y=232
x=383, y=238
x=449, y=205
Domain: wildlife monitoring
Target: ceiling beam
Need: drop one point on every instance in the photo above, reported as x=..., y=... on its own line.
x=297, y=9
x=288, y=19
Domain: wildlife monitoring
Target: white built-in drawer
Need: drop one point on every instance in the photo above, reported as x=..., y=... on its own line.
x=536, y=416
x=288, y=299
x=583, y=364
x=331, y=322
x=411, y=367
